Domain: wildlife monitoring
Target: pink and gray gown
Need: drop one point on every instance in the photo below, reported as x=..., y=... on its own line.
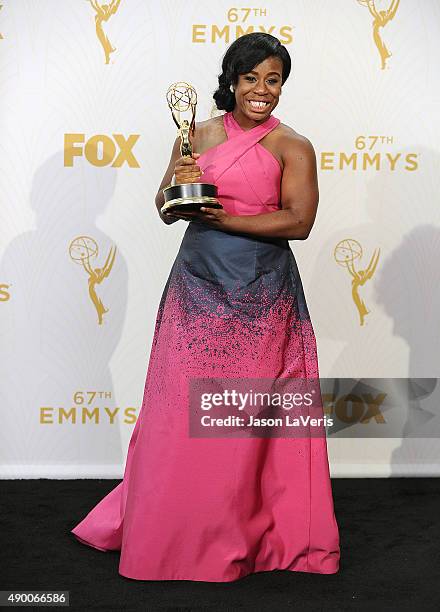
x=217, y=509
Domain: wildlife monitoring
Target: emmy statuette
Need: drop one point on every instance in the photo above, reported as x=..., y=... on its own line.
x=182, y=97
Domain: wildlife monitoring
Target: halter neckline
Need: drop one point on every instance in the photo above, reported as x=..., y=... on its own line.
x=271, y=120
x=246, y=172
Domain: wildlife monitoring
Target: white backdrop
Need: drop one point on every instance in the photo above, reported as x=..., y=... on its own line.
x=374, y=122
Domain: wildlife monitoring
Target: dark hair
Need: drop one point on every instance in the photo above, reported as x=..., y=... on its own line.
x=241, y=57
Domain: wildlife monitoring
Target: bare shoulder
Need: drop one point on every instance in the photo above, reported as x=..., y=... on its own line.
x=209, y=132
x=210, y=125
x=293, y=143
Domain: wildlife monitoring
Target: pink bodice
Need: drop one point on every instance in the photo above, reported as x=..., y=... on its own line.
x=247, y=175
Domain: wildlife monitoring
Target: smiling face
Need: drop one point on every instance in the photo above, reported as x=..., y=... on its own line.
x=257, y=92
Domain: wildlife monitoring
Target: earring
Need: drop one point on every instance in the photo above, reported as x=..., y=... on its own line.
x=231, y=89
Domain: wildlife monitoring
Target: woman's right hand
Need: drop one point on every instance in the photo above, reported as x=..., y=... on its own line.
x=186, y=169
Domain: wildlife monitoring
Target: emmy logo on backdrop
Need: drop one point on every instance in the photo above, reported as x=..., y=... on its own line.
x=81, y=249
x=380, y=20
x=345, y=253
x=182, y=97
x=103, y=13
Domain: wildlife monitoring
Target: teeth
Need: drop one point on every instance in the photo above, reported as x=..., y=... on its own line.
x=256, y=104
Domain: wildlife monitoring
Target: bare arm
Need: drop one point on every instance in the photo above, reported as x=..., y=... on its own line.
x=160, y=200
x=299, y=199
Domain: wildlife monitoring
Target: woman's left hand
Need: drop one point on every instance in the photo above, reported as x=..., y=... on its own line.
x=216, y=217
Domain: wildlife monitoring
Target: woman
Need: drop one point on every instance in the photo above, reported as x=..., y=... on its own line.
x=216, y=509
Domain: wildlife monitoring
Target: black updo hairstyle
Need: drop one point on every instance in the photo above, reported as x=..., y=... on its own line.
x=241, y=57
